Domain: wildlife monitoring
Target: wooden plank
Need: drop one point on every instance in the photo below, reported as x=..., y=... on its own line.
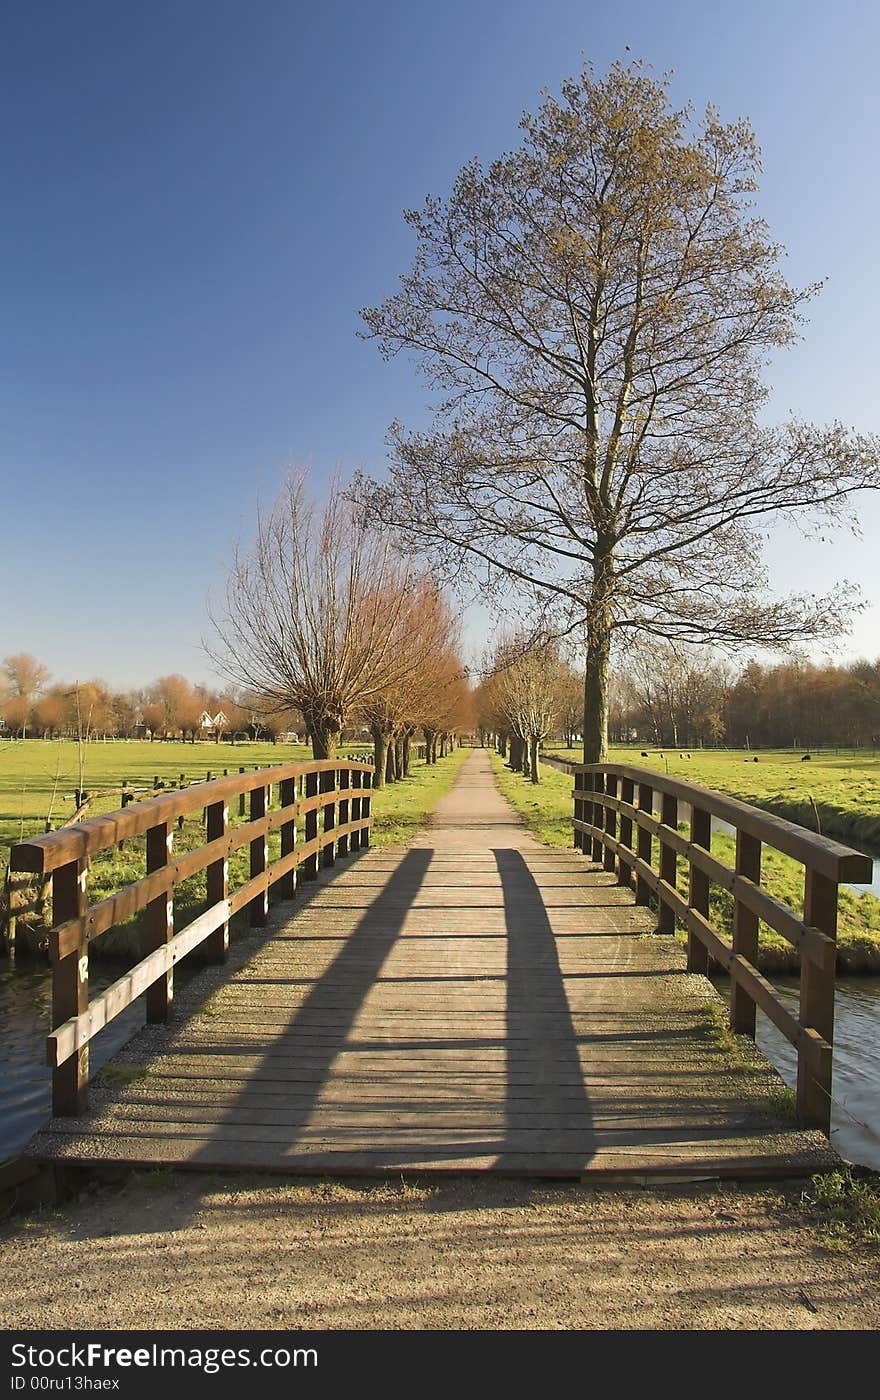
x=310, y=810
x=816, y=1012
x=745, y=932
x=159, y=925
x=287, y=880
x=258, y=906
x=70, y=989
x=698, y=890
x=72, y=1038
x=217, y=826
x=343, y=797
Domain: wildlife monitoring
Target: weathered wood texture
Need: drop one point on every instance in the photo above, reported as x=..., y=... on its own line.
x=66, y=854
x=472, y=1003
x=597, y=809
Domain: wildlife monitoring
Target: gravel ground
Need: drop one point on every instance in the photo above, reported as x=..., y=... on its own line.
x=190, y=1251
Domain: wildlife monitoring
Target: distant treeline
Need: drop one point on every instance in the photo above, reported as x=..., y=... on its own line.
x=668, y=697
x=33, y=706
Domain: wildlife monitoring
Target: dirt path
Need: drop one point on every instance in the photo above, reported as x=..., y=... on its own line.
x=190, y=1252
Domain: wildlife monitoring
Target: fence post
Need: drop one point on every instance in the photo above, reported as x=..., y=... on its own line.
x=70, y=989
x=644, y=842
x=668, y=862
x=597, y=848
x=817, y=1007
x=259, y=906
x=698, y=889
x=328, y=784
x=745, y=934
x=343, y=804
x=310, y=864
x=159, y=923
x=367, y=808
x=217, y=825
x=609, y=859
x=356, y=782
x=579, y=782
x=624, y=871
x=241, y=798
x=287, y=884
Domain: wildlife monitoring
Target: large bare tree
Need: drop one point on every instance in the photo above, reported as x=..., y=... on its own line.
x=313, y=612
x=596, y=310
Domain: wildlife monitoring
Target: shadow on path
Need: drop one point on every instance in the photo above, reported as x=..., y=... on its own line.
x=543, y=1066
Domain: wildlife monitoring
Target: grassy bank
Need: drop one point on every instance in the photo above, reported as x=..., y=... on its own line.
x=547, y=811
x=399, y=809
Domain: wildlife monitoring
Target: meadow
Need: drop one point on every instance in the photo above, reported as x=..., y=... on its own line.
x=836, y=791
x=547, y=811
x=38, y=776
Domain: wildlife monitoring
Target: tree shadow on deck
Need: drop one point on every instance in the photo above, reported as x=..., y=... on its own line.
x=546, y=1099
x=512, y=1090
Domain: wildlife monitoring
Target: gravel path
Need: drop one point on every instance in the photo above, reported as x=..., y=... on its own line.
x=189, y=1251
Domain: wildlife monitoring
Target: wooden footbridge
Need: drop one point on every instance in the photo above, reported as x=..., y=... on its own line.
x=473, y=1002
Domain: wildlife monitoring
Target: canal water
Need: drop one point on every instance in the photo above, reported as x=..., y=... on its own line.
x=25, y=1003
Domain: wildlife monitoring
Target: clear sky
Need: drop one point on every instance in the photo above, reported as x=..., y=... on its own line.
x=198, y=197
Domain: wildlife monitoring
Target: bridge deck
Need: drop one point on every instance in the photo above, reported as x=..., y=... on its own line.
x=475, y=1002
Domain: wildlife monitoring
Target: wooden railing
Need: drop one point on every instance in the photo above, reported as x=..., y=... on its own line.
x=331, y=798
x=614, y=823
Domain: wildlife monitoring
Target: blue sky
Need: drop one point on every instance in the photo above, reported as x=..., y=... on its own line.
x=198, y=198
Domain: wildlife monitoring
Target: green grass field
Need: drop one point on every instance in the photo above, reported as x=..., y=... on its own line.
x=547, y=811
x=843, y=784
x=28, y=778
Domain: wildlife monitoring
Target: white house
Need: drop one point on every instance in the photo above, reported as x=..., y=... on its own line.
x=213, y=724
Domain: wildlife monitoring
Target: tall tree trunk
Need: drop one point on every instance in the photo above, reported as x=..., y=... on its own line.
x=429, y=742
x=390, y=766
x=379, y=746
x=323, y=742
x=533, y=759
x=434, y=749
x=516, y=756
x=404, y=753
x=598, y=658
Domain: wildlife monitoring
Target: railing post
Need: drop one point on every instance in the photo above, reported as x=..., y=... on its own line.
x=159, y=923
x=310, y=864
x=668, y=862
x=286, y=885
x=217, y=825
x=609, y=859
x=817, y=1006
x=328, y=784
x=579, y=781
x=345, y=784
x=745, y=934
x=367, y=808
x=698, y=889
x=356, y=782
x=597, y=851
x=259, y=905
x=644, y=842
x=241, y=798
x=70, y=990
x=624, y=871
